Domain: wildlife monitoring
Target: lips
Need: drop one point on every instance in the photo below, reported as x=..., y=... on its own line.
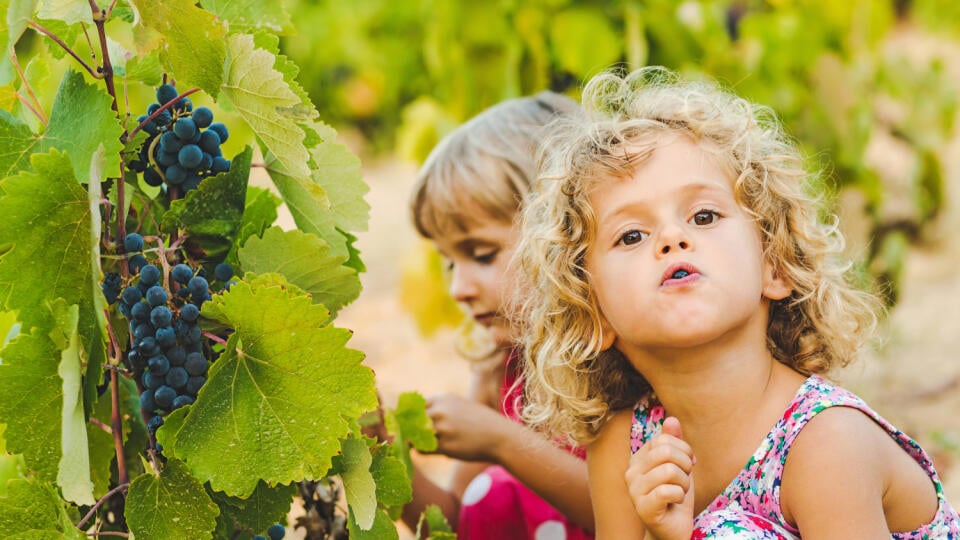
x=679, y=274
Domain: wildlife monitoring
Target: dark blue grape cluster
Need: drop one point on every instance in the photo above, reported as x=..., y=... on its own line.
x=168, y=354
x=183, y=146
x=111, y=286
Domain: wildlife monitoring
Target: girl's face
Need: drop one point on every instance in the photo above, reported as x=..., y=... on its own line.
x=477, y=261
x=676, y=261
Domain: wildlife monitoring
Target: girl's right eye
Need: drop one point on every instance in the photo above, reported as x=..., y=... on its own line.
x=632, y=237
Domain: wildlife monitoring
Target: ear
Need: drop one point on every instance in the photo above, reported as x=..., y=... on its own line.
x=607, y=336
x=774, y=286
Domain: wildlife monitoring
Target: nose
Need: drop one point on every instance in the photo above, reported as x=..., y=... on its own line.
x=672, y=238
x=463, y=287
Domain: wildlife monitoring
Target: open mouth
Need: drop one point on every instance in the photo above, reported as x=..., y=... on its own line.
x=678, y=274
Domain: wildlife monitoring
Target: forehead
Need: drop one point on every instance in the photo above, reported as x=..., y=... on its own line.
x=481, y=230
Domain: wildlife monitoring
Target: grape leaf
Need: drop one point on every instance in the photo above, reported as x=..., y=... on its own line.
x=259, y=93
x=361, y=491
x=17, y=142
x=145, y=68
x=211, y=214
x=271, y=44
x=260, y=214
x=171, y=505
x=383, y=528
x=436, y=524
x=11, y=465
x=278, y=400
x=412, y=422
x=48, y=223
x=304, y=260
x=18, y=14
x=33, y=510
x=73, y=474
x=331, y=198
x=390, y=474
x=68, y=11
x=264, y=507
x=193, y=41
x=81, y=121
x=246, y=15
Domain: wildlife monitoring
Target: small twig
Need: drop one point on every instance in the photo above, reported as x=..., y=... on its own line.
x=93, y=510
x=29, y=105
x=93, y=72
x=97, y=422
x=26, y=84
x=218, y=339
x=116, y=423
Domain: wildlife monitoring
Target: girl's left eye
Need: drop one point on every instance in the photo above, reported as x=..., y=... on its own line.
x=485, y=257
x=705, y=217
x=632, y=237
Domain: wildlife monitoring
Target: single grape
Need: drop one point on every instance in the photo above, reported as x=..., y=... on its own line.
x=189, y=312
x=209, y=141
x=194, y=335
x=182, y=401
x=194, y=384
x=133, y=242
x=220, y=164
x=164, y=396
x=147, y=402
x=166, y=159
x=198, y=285
x=154, y=424
x=190, y=156
x=175, y=174
x=136, y=263
x=165, y=93
x=202, y=116
x=192, y=181
x=184, y=105
x=166, y=337
x=131, y=295
x=276, y=531
x=143, y=330
x=140, y=311
x=185, y=128
x=196, y=364
x=170, y=142
x=149, y=274
x=156, y=296
x=161, y=316
x=151, y=381
x=152, y=177
x=158, y=365
x=177, y=378
x=176, y=355
x=206, y=161
x=223, y=271
x=152, y=108
x=148, y=346
x=181, y=273
x=221, y=130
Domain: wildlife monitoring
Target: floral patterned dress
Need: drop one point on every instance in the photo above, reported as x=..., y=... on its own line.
x=749, y=508
x=497, y=506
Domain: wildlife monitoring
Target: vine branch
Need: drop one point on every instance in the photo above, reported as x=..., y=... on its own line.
x=89, y=69
x=98, y=504
x=38, y=111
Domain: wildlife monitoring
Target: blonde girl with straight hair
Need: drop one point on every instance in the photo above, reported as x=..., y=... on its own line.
x=684, y=304
x=508, y=482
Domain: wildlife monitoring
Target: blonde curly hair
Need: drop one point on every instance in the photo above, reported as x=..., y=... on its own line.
x=571, y=385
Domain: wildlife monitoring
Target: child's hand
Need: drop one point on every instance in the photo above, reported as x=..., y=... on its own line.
x=660, y=481
x=466, y=429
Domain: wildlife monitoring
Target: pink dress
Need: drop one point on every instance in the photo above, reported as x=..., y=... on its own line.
x=749, y=508
x=497, y=506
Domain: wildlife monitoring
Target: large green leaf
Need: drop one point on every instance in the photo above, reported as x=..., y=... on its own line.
x=277, y=402
x=68, y=11
x=246, y=15
x=305, y=261
x=193, y=41
x=171, y=505
x=259, y=214
x=330, y=201
x=382, y=528
x=32, y=510
x=264, y=507
x=265, y=102
x=211, y=214
x=17, y=142
x=80, y=122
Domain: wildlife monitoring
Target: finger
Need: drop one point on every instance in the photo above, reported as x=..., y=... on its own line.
x=668, y=473
x=671, y=426
x=663, y=450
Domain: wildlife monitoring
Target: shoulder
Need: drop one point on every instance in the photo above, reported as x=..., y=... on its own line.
x=836, y=466
x=611, y=448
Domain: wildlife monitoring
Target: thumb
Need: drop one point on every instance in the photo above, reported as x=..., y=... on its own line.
x=671, y=426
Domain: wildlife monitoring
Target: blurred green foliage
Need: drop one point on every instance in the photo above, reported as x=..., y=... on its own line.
x=836, y=72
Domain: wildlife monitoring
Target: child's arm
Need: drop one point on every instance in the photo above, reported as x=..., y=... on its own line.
x=470, y=431
x=843, y=471
x=607, y=459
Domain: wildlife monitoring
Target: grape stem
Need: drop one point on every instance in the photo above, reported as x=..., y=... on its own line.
x=218, y=339
x=122, y=487
x=101, y=425
x=36, y=108
x=157, y=112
